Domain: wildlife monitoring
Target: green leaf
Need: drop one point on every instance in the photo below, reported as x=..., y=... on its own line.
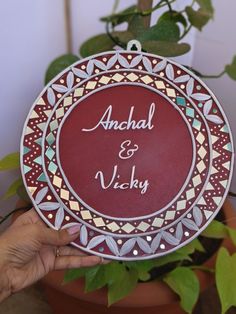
x=95, y=278
x=198, y=18
x=58, y=65
x=123, y=286
x=191, y=247
x=206, y=5
x=114, y=271
x=73, y=274
x=136, y=26
x=166, y=49
x=124, y=37
x=174, y=16
x=123, y=16
x=226, y=278
x=10, y=162
x=170, y=258
x=216, y=230
x=164, y=30
x=198, y=246
x=185, y=283
x=96, y=45
x=230, y=69
x=142, y=267
x=12, y=190
x=232, y=234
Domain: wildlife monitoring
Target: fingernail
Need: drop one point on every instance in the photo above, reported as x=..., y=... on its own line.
x=105, y=261
x=74, y=229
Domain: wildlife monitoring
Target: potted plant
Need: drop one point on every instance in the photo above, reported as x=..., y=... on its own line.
x=152, y=284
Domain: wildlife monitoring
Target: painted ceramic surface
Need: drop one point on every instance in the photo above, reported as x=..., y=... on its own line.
x=131, y=146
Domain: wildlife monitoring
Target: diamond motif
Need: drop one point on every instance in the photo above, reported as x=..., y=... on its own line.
x=50, y=138
x=143, y=226
x=197, y=124
x=170, y=92
x=196, y=180
x=170, y=214
x=158, y=222
x=200, y=138
x=104, y=79
x=74, y=205
x=99, y=222
x=50, y=153
x=57, y=181
x=91, y=85
x=67, y=101
x=202, y=152
x=86, y=214
x=132, y=77
x=128, y=228
x=113, y=226
x=190, y=194
x=190, y=112
x=146, y=79
x=59, y=112
x=117, y=77
x=160, y=85
x=52, y=167
x=64, y=194
x=181, y=205
x=181, y=101
x=53, y=125
x=201, y=166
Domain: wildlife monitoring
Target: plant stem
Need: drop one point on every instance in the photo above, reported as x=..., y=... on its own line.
x=115, y=6
x=116, y=42
x=204, y=268
x=160, y=4
x=68, y=30
x=144, y=5
x=232, y=194
x=169, y=6
x=185, y=32
x=13, y=211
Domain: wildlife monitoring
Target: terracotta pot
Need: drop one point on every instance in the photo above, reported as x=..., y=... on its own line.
x=154, y=297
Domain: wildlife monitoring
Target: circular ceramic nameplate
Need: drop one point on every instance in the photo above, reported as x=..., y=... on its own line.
x=132, y=147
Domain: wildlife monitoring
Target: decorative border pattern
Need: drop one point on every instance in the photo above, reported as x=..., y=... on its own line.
x=138, y=224
x=151, y=243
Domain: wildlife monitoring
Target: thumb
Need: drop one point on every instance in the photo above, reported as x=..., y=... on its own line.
x=59, y=237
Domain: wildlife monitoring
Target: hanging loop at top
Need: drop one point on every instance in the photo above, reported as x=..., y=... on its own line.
x=134, y=43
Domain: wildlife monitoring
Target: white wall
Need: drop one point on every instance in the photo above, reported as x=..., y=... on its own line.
x=32, y=34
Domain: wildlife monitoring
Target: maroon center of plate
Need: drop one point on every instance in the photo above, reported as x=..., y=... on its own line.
x=116, y=177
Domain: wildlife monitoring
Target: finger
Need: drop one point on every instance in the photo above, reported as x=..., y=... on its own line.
x=67, y=250
x=68, y=262
x=31, y=216
x=71, y=251
x=57, y=237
